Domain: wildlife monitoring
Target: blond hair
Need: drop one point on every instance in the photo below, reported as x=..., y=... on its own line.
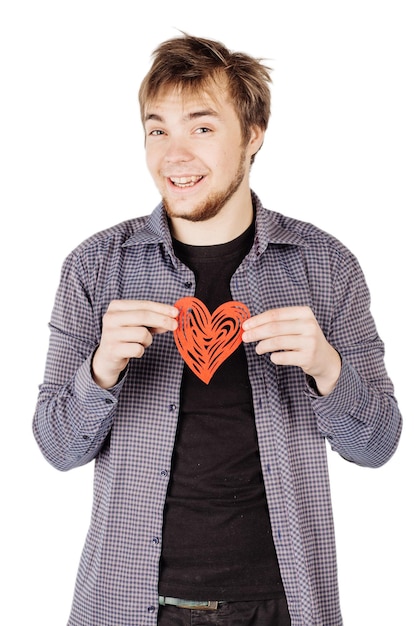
x=192, y=64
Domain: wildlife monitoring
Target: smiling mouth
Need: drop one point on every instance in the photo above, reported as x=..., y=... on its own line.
x=185, y=181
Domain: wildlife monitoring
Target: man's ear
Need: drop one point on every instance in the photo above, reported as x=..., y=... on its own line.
x=256, y=140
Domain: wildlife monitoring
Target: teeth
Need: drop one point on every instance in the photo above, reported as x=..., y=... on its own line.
x=185, y=181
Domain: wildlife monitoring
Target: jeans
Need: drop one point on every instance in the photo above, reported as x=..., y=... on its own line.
x=248, y=613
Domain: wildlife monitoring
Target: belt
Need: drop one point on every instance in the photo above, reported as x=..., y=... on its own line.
x=199, y=605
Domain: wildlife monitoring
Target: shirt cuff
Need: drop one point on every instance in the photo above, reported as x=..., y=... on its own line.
x=94, y=398
x=343, y=400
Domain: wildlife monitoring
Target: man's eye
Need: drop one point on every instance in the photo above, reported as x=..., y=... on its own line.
x=156, y=132
x=202, y=130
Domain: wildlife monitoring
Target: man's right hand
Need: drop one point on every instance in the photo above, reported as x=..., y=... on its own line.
x=128, y=329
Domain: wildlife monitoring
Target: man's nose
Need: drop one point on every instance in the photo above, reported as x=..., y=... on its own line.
x=177, y=149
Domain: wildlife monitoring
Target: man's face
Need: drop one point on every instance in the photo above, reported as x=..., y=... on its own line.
x=195, y=155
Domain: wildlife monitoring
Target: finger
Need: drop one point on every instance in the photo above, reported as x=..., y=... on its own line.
x=143, y=305
x=157, y=321
x=277, y=315
x=130, y=334
x=286, y=357
x=293, y=343
x=274, y=329
x=128, y=350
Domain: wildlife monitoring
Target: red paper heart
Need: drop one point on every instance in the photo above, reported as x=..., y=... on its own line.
x=205, y=341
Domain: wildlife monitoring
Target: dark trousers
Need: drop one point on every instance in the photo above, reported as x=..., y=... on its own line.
x=249, y=613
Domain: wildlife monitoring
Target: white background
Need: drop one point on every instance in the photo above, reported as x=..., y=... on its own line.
x=340, y=152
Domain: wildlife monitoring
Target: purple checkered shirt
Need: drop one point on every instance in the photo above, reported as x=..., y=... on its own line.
x=130, y=429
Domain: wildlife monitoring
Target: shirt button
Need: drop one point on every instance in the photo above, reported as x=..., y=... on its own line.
x=172, y=407
x=155, y=540
x=108, y=401
x=151, y=609
x=188, y=284
x=164, y=473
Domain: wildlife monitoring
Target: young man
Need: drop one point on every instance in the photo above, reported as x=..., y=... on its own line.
x=202, y=356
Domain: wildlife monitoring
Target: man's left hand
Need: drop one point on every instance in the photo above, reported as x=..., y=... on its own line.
x=293, y=337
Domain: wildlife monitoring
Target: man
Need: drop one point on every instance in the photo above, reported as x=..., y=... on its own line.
x=202, y=356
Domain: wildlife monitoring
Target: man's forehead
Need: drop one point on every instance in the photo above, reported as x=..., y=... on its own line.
x=210, y=97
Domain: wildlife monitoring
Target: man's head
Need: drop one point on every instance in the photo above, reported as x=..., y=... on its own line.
x=192, y=65
x=204, y=112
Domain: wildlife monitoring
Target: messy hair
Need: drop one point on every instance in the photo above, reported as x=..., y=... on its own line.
x=192, y=64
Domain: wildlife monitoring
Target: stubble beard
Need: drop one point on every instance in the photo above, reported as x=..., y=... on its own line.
x=213, y=204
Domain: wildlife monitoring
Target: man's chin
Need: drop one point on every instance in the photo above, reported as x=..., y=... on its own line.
x=201, y=213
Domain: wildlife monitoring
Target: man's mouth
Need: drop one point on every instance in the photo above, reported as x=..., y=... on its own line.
x=185, y=181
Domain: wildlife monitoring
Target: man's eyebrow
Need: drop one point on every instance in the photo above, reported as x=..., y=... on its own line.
x=153, y=116
x=203, y=113
x=189, y=116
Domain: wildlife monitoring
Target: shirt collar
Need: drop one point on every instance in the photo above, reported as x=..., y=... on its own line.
x=271, y=229
x=268, y=230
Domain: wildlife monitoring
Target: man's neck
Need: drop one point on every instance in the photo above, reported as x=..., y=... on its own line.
x=224, y=227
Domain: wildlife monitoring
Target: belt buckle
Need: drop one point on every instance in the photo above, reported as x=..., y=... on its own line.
x=209, y=605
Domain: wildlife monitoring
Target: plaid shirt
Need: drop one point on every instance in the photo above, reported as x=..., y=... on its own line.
x=130, y=429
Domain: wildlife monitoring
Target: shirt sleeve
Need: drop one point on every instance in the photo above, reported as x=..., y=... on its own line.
x=360, y=422
x=360, y=417
x=73, y=415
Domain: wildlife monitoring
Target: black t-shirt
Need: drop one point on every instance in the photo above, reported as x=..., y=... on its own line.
x=217, y=541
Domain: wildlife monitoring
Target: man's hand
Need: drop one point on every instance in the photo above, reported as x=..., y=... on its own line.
x=128, y=329
x=293, y=337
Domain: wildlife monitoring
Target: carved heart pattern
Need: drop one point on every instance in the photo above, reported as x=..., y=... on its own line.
x=206, y=340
